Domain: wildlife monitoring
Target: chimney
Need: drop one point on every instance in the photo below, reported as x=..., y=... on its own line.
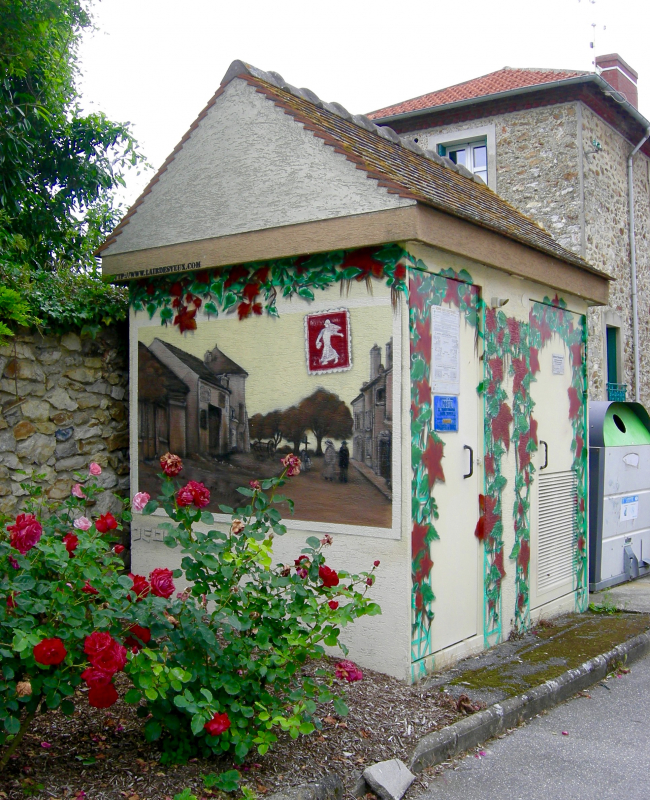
x=389, y=353
x=619, y=76
x=375, y=361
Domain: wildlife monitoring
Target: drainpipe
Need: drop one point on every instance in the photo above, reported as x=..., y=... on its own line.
x=635, y=311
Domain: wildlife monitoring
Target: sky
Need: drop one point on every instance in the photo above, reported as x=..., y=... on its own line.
x=156, y=63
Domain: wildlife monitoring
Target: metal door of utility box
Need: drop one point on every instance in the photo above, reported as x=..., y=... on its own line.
x=619, y=493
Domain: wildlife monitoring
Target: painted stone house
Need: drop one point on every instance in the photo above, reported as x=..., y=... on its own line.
x=373, y=416
x=279, y=215
x=570, y=149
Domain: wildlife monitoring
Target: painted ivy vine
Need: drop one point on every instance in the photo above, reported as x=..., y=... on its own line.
x=427, y=290
x=253, y=289
x=545, y=321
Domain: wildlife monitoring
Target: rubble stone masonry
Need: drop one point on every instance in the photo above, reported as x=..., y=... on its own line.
x=63, y=402
x=548, y=167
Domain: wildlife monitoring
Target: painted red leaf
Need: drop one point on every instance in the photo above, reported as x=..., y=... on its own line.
x=236, y=274
x=251, y=290
x=489, y=465
x=576, y=354
x=533, y=429
x=498, y=562
x=261, y=275
x=363, y=259
x=451, y=295
x=432, y=460
x=244, y=310
x=579, y=446
x=522, y=451
x=534, y=360
x=496, y=369
x=520, y=371
x=479, y=531
x=418, y=540
x=423, y=345
x=424, y=567
x=490, y=517
x=491, y=319
x=574, y=403
x=513, y=328
x=424, y=392
x=523, y=557
x=501, y=425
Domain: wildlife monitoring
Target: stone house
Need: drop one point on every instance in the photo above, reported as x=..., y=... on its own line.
x=216, y=418
x=561, y=146
x=372, y=412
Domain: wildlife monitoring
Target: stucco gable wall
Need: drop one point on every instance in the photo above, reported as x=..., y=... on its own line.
x=249, y=166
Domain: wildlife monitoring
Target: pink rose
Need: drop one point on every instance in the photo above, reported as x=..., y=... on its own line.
x=347, y=670
x=292, y=464
x=139, y=501
x=94, y=468
x=82, y=524
x=77, y=491
x=25, y=532
x=161, y=582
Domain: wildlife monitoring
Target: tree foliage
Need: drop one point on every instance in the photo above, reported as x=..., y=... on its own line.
x=59, y=167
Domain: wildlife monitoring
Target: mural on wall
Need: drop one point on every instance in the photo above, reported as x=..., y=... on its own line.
x=427, y=290
x=507, y=353
x=244, y=389
x=548, y=319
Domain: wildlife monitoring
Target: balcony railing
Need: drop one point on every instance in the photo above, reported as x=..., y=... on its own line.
x=616, y=391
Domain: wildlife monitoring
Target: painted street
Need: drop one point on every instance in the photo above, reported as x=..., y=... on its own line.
x=590, y=748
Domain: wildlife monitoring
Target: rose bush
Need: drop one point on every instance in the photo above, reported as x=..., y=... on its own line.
x=214, y=668
x=228, y=673
x=61, y=588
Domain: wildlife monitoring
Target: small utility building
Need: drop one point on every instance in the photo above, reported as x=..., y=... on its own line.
x=333, y=262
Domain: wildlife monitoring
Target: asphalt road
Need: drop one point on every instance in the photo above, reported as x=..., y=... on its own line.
x=605, y=756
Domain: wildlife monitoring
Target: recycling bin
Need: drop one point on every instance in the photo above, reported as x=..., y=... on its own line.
x=619, y=493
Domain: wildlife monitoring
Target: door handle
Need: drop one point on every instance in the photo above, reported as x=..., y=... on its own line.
x=545, y=454
x=471, y=461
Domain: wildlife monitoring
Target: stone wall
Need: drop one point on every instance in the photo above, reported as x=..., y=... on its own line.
x=64, y=403
x=549, y=170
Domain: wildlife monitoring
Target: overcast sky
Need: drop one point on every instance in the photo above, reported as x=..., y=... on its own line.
x=155, y=63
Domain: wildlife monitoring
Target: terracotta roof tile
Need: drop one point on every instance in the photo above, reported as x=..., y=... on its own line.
x=502, y=80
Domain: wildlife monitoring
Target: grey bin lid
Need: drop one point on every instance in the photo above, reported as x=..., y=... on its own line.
x=617, y=424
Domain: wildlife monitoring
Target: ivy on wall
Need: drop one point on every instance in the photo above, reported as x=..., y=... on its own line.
x=427, y=448
x=253, y=289
x=548, y=319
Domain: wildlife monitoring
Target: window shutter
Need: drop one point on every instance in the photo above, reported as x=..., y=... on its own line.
x=442, y=150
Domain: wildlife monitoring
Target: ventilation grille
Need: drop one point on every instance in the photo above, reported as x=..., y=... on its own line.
x=557, y=507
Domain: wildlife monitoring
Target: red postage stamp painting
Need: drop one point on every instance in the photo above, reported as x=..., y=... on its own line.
x=328, y=341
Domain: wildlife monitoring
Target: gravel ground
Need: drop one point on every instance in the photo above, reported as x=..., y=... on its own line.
x=102, y=755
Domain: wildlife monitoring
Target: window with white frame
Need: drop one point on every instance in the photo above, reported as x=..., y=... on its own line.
x=472, y=155
x=473, y=148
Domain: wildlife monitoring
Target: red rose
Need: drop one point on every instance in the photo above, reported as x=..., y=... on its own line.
x=328, y=576
x=193, y=493
x=104, y=652
x=162, y=584
x=143, y=634
x=88, y=588
x=50, y=651
x=96, y=677
x=119, y=548
x=217, y=725
x=70, y=540
x=377, y=563
x=106, y=522
x=170, y=464
x=333, y=604
x=140, y=586
x=25, y=533
x=11, y=601
x=370, y=580
x=347, y=670
x=102, y=696
x=302, y=565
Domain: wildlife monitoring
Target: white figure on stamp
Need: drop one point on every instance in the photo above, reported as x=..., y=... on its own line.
x=324, y=340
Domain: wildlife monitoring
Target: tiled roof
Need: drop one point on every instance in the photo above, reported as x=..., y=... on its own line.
x=502, y=80
x=399, y=165
x=199, y=367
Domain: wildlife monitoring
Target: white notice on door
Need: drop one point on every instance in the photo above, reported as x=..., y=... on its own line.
x=445, y=353
x=629, y=507
x=558, y=364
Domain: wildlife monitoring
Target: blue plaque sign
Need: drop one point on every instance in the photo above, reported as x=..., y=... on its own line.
x=445, y=413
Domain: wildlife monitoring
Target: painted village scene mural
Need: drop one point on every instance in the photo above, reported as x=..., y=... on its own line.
x=233, y=397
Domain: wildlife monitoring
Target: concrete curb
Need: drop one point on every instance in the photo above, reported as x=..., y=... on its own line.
x=329, y=787
x=469, y=732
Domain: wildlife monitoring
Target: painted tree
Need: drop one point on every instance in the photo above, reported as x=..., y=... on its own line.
x=294, y=426
x=326, y=415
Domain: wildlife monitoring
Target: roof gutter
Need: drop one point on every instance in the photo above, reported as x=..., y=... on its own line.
x=635, y=310
x=577, y=81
